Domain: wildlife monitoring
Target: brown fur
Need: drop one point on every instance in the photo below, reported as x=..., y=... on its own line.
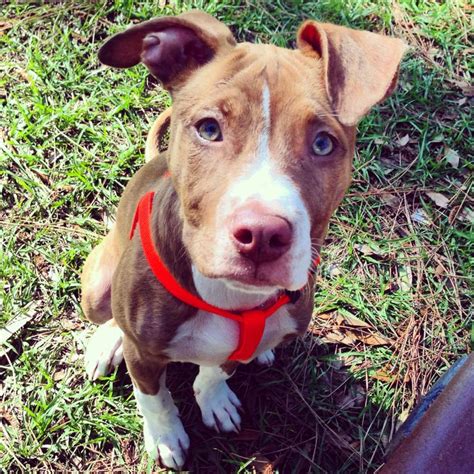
x=307, y=96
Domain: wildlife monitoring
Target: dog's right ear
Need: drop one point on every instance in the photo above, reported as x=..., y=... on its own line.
x=170, y=47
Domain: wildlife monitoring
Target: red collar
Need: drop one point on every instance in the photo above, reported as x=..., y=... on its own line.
x=251, y=322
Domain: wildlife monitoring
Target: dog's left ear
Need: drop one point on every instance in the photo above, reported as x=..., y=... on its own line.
x=171, y=47
x=360, y=68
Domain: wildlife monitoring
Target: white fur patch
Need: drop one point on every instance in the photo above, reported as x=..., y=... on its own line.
x=209, y=340
x=218, y=403
x=266, y=358
x=165, y=438
x=104, y=350
x=264, y=183
x=223, y=295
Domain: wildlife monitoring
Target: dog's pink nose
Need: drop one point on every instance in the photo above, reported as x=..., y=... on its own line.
x=260, y=237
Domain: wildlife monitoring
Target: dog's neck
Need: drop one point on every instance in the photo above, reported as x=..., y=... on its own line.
x=224, y=295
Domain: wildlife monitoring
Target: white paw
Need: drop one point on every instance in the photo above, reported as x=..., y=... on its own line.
x=219, y=407
x=266, y=358
x=167, y=443
x=104, y=351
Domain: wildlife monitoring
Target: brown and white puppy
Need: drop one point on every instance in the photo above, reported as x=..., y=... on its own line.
x=260, y=154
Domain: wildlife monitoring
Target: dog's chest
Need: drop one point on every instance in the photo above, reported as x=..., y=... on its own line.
x=208, y=339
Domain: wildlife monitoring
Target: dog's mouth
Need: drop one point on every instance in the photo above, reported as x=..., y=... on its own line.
x=265, y=278
x=249, y=284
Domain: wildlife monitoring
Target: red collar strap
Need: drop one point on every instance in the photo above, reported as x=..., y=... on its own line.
x=251, y=322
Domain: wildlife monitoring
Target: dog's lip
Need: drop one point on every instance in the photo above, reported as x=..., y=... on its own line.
x=245, y=282
x=250, y=283
x=244, y=276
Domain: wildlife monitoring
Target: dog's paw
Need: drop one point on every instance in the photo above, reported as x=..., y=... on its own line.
x=167, y=443
x=104, y=351
x=266, y=358
x=219, y=407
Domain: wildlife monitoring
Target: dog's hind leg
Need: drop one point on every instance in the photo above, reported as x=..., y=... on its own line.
x=104, y=348
x=96, y=280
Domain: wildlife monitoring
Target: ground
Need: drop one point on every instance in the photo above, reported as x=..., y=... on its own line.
x=392, y=310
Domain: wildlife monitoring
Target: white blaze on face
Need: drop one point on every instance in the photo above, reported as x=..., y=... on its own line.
x=264, y=183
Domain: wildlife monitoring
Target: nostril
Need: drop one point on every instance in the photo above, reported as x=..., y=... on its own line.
x=277, y=241
x=244, y=236
x=260, y=237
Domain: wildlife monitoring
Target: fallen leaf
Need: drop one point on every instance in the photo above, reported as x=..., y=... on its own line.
x=467, y=215
x=15, y=325
x=347, y=329
x=128, y=451
x=8, y=417
x=405, y=277
x=403, y=140
x=390, y=287
x=77, y=36
x=70, y=324
x=338, y=337
x=261, y=464
x=440, y=270
x=433, y=52
x=347, y=360
x=5, y=25
x=439, y=199
x=374, y=340
x=383, y=376
x=368, y=249
x=44, y=178
x=420, y=217
x=462, y=101
x=334, y=270
x=324, y=316
x=467, y=88
x=452, y=157
x=59, y=375
x=390, y=199
x=24, y=75
x=352, y=320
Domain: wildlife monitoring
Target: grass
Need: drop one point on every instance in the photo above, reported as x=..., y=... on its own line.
x=71, y=135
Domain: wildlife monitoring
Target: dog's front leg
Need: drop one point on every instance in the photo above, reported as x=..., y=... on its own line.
x=164, y=435
x=218, y=403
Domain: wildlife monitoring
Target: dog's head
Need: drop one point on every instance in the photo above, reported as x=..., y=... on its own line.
x=262, y=137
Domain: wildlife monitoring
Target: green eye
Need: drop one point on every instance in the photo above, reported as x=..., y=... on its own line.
x=209, y=130
x=323, y=144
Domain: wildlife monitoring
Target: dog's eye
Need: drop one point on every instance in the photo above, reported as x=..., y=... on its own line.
x=209, y=130
x=323, y=144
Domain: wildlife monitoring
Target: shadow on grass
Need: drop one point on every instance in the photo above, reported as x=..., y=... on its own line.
x=304, y=414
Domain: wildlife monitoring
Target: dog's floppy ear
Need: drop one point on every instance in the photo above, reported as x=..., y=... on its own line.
x=171, y=47
x=360, y=68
